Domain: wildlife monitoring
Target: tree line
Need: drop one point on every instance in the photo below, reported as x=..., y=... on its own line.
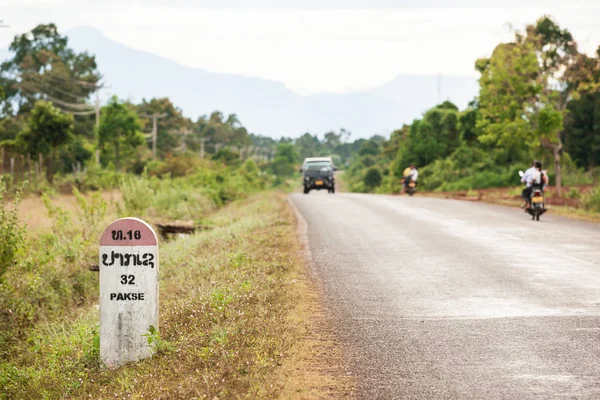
x=50, y=110
x=539, y=98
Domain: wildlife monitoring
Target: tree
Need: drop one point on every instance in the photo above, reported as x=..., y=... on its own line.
x=308, y=145
x=468, y=125
x=582, y=122
x=369, y=148
x=333, y=140
x=285, y=160
x=372, y=179
x=508, y=84
x=219, y=131
x=582, y=130
x=431, y=138
x=47, y=129
x=120, y=128
x=43, y=66
x=227, y=157
x=556, y=52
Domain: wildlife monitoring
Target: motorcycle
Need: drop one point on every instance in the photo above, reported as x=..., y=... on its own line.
x=536, y=200
x=411, y=188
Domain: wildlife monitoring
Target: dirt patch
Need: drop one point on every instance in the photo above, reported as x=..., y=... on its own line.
x=511, y=196
x=33, y=210
x=512, y=193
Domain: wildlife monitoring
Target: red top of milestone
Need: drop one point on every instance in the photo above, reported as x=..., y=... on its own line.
x=123, y=232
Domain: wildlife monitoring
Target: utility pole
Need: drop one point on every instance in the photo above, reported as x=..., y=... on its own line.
x=97, y=110
x=202, y=141
x=155, y=117
x=97, y=125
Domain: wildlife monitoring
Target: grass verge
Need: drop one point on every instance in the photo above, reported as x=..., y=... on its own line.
x=236, y=322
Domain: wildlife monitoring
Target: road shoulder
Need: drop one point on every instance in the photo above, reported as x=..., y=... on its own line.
x=315, y=367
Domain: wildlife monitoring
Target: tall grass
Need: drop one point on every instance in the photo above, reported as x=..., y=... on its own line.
x=12, y=231
x=591, y=201
x=225, y=299
x=45, y=274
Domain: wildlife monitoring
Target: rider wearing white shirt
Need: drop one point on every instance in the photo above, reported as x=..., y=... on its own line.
x=527, y=176
x=527, y=179
x=414, y=174
x=410, y=175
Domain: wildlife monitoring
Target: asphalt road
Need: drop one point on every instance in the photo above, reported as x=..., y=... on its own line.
x=449, y=299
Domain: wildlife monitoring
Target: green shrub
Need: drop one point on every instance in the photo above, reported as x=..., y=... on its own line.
x=390, y=184
x=574, y=193
x=174, y=166
x=12, y=231
x=591, y=201
x=137, y=196
x=49, y=278
x=178, y=202
x=372, y=178
x=227, y=157
x=97, y=178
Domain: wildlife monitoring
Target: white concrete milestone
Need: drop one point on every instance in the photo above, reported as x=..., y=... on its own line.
x=128, y=291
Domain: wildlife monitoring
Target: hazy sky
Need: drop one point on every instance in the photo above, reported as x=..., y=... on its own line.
x=310, y=45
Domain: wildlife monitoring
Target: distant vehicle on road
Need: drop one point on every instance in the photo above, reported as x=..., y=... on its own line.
x=318, y=174
x=309, y=160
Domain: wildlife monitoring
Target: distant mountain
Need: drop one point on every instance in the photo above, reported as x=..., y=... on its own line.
x=264, y=106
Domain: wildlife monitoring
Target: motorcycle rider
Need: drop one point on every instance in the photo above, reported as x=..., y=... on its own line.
x=527, y=179
x=544, y=175
x=536, y=179
x=411, y=174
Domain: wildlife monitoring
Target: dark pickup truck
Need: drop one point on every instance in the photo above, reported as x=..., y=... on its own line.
x=318, y=175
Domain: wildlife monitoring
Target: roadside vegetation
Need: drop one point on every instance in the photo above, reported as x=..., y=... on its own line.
x=539, y=98
x=230, y=298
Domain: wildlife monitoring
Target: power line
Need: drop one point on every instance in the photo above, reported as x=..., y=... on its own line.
x=40, y=80
x=78, y=109
x=182, y=132
x=89, y=85
x=36, y=89
x=82, y=113
x=75, y=106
